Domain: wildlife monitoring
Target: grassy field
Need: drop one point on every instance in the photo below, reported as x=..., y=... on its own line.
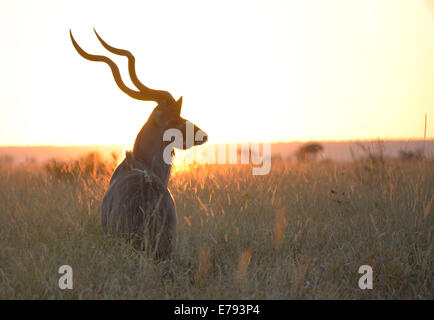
x=301, y=232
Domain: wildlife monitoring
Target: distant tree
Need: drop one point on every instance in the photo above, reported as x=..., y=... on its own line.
x=309, y=151
x=411, y=155
x=6, y=160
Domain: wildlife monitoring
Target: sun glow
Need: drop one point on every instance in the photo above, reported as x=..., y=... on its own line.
x=248, y=70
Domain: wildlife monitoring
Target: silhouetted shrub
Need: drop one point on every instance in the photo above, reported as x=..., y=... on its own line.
x=89, y=166
x=371, y=154
x=6, y=160
x=308, y=151
x=411, y=155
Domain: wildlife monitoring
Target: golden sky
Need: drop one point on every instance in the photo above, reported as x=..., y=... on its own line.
x=247, y=70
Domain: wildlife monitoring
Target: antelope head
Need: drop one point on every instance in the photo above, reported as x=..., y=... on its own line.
x=165, y=116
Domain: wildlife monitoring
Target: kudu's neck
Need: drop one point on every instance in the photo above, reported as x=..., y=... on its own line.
x=148, y=149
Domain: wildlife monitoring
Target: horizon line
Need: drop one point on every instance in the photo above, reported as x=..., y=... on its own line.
x=237, y=142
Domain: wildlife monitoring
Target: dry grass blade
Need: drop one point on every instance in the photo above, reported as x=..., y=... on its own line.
x=243, y=264
x=204, y=264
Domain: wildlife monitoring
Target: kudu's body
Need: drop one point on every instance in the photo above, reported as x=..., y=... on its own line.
x=137, y=205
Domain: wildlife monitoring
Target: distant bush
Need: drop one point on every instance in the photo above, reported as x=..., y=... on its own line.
x=372, y=152
x=371, y=156
x=411, y=155
x=309, y=151
x=6, y=160
x=90, y=166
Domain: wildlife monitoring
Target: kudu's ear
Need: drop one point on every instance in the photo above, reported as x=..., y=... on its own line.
x=178, y=105
x=164, y=113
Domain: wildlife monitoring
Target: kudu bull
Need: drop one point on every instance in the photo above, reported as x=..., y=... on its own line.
x=138, y=205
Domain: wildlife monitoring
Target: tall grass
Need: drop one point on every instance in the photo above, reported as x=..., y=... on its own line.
x=301, y=232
